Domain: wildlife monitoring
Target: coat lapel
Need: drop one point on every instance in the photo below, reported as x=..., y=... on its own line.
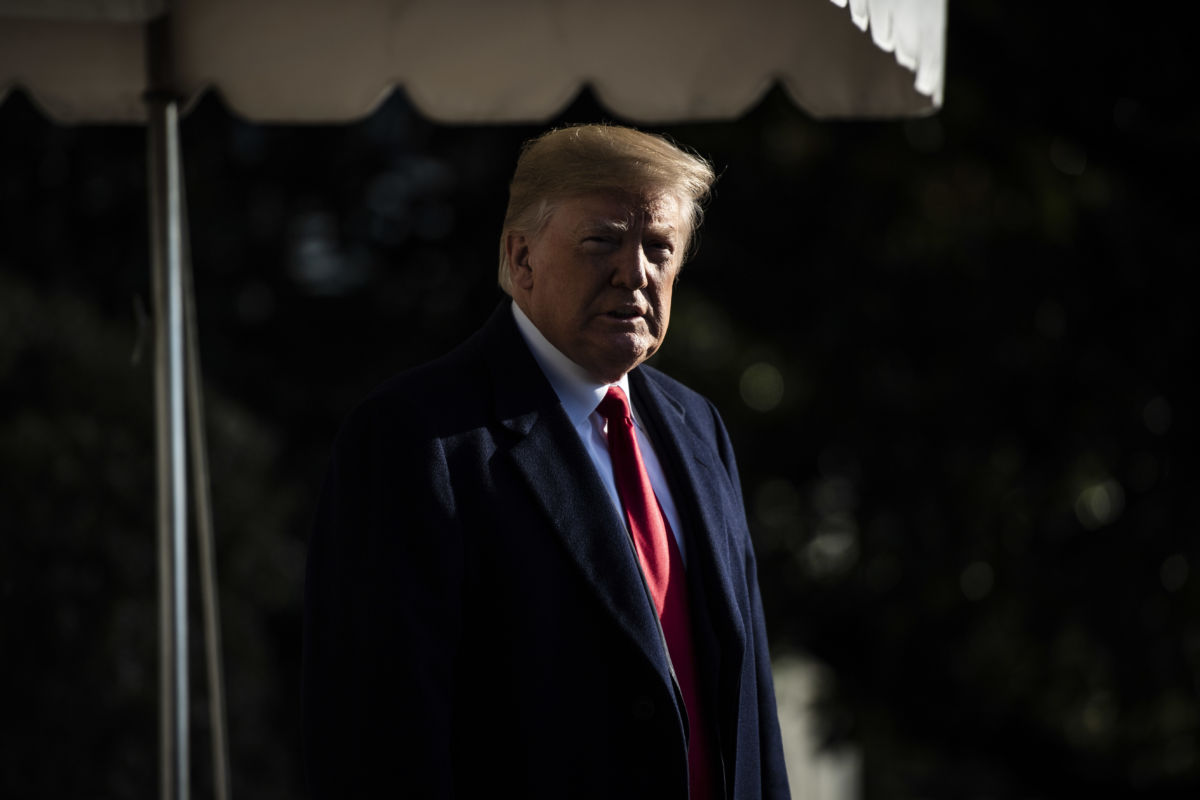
x=697, y=483
x=547, y=452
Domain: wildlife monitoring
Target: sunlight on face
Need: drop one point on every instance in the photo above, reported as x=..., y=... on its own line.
x=597, y=279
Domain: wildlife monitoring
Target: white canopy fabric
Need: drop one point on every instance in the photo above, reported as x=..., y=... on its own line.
x=651, y=61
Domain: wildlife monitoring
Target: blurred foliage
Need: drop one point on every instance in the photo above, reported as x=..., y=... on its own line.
x=956, y=355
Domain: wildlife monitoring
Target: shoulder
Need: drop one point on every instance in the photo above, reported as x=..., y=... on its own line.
x=488, y=378
x=665, y=383
x=696, y=407
x=423, y=398
x=699, y=415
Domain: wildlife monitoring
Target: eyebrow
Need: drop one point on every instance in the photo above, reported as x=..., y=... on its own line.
x=604, y=225
x=623, y=226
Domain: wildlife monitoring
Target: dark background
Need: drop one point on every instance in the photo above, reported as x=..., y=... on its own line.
x=955, y=354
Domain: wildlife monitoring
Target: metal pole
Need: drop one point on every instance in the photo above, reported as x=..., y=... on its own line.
x=205, y=536
x=180, y=423
x=166, y=240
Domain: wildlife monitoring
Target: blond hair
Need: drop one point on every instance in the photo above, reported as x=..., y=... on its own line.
x=582, y=159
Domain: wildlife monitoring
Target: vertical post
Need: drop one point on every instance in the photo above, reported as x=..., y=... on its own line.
x=166, y=247
x=205, y=536
x=179, y=433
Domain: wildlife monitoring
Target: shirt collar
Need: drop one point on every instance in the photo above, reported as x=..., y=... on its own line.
x=578, y=392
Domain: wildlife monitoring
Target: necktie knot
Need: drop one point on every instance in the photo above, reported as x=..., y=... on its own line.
x=615, y=407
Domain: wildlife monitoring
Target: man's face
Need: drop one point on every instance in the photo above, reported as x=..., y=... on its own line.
x=597, y=279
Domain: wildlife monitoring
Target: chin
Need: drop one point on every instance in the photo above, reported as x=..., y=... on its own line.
x=611, y=370
x=619, y=357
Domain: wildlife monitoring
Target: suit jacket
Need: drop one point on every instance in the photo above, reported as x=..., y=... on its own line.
x=475, y=619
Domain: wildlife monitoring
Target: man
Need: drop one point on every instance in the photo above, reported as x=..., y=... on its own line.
x=518, y=584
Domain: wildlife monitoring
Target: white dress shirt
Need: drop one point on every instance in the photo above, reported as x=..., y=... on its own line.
x=579, y=395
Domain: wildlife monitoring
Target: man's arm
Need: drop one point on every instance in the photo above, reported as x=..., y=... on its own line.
x=773, y=770
x=770, y=740
x=382, y=616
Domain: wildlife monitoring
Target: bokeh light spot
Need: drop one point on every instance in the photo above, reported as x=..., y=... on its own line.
x=976, y=580
x=762, y=386
x=1100, y=504
x=834, y=548
x=1174, y=572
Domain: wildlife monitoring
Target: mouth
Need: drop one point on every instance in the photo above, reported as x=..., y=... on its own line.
x=625, y=313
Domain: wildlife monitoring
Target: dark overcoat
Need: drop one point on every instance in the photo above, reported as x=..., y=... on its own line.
x=475, y=620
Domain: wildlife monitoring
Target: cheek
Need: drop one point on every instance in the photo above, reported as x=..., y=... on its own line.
x=664, y=292
x=663, y=314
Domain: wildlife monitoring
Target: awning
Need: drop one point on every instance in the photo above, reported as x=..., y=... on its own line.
x=650, y=61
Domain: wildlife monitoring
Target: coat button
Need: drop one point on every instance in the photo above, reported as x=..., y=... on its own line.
x=643, y=708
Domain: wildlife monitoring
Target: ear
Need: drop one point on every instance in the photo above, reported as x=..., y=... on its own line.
x=516, y=245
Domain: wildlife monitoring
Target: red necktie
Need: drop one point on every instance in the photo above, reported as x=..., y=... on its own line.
x=662, y=566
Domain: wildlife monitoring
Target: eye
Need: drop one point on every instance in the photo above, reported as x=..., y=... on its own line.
x=659, y=250
x=600, y=242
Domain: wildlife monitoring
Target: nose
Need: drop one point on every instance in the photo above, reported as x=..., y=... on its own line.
x=629, y=271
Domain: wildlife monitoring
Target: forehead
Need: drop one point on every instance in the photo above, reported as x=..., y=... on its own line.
x=652, y=209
